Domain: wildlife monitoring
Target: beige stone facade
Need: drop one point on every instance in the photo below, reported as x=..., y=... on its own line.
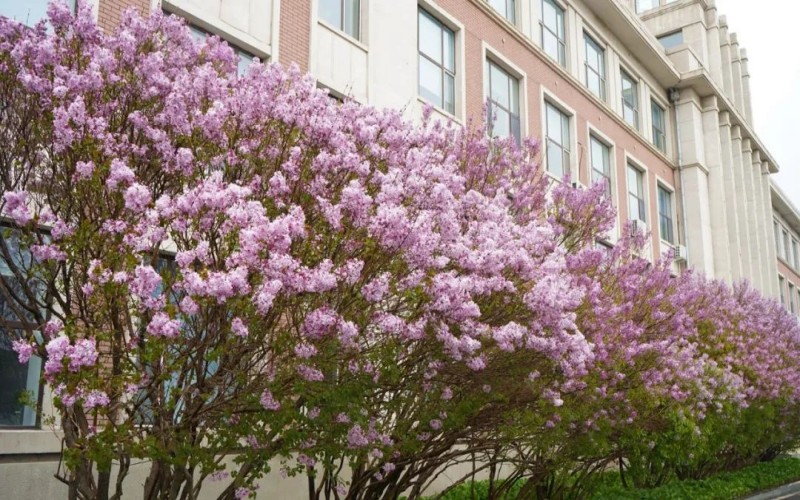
x=652, y=94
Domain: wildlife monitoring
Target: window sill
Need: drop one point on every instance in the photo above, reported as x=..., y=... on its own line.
x=344, y=36
x=439, y=111
x=16, y=441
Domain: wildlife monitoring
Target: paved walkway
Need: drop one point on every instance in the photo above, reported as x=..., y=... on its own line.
x=785, y=492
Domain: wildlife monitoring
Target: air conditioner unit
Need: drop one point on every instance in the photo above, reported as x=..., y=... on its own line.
x=681, y=254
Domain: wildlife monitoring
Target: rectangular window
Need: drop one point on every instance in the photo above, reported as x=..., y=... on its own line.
x=17, y=380
x=659, y=126
x=595, y=67
x=671, y=39
x=791, y=298
x=344, y=15
x=630, y=100
x=781, y=287
x=503, y=101
x=244, y=59
x=777, y=231
x=553, y=31
x=786, y=243
x=665, y=221
x=558, y=141
x=636, y=206
x=643, y=5
x=601, y=163
x=508, y=8
x=437, y=62
x=795, y=255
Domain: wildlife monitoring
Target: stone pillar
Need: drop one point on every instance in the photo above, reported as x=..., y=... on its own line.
x=736, y=71
x=751, y=215
x=772, y=265
x=763, y=222
x=718, y=210
x=714, y=49
x=746, y=96
x=741, y=203
x=725, y=57
x=726, y=156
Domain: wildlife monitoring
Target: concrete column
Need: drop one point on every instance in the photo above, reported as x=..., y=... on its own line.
x=746, y=96
x=741, y=203
x=763, y=222
x=695, y=182
x=725, y=57
x=716, y=189
x=714, y=49
x=751, y=215
x=726, y=156
x=736, y=71
x=772, y=265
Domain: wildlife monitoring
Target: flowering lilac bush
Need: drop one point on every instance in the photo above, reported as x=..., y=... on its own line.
x=223, y=266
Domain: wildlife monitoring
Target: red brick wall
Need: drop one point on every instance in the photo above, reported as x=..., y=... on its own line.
x=295, y=33
x=480, y=26
x=110, y=11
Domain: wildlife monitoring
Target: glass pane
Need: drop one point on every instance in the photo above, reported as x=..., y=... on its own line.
x=330, y=11
x=511, y=11
x=499, y=86
x=352, y=18
x=593, y=82
x=516, y=129
x=449, y=93
x=430, y=81
x=671, y=40
x=245, y=60
x=449, y=49
x=502, y=126
x=430, y=37
x=554, y=124
x=514, y=84
x=550, y=45
x=549, y=15
x=15, y=380
x=555, y=159
x=198, y=34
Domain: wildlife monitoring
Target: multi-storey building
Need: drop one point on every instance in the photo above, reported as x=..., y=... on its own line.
x=651, y=96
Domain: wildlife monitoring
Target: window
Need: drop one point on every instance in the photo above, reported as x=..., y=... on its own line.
x=791, y=298
x=27, y=12
x=795, y=255
x=671, y=39
x=630, y=100
x=643, y=5
x=503, y=101
x=659, y=126
x=344, y=15
x=557, y=129
x=244, y=58
x=595, y=67
x=508, y=8
x=553, y=38
x=437, y=62
x=636, y=205
x=665, y=215
x=16, y=379
x=777, y=230
x=601, y=163
x=786, y=243
x=781, y=287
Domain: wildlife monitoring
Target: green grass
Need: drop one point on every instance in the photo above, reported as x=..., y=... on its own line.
x=725, y=486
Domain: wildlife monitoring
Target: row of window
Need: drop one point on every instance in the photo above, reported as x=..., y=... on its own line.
x=437, y=72
x=786, y=246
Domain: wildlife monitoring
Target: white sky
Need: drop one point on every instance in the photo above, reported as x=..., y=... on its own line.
x=768, y=30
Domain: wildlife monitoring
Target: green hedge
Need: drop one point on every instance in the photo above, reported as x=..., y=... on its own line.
x=728, y=485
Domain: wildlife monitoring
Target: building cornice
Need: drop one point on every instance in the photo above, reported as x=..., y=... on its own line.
x=784, y=206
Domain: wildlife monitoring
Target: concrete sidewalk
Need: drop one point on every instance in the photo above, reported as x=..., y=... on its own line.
x=785, y=492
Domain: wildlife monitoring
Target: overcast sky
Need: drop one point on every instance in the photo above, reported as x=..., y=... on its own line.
x=768, y=30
